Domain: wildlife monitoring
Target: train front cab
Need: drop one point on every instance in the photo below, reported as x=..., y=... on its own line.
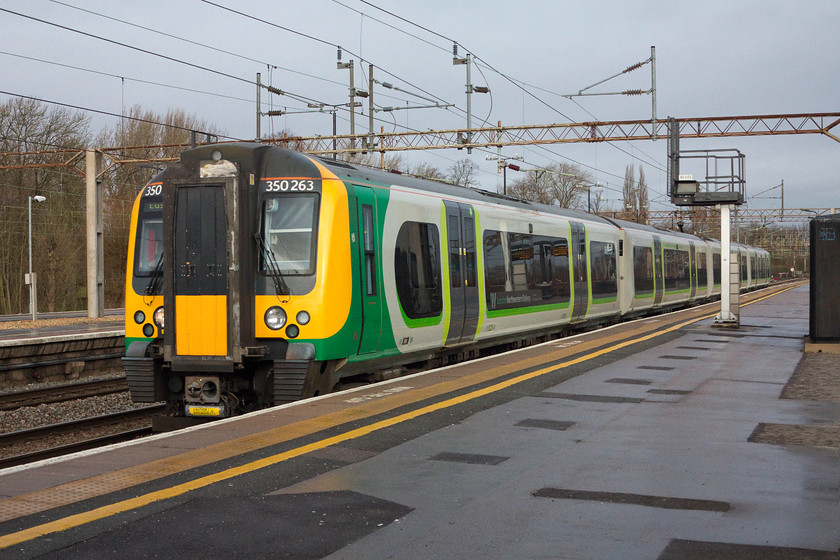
x=252, y=281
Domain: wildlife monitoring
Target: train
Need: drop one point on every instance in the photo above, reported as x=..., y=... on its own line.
x=258, y=275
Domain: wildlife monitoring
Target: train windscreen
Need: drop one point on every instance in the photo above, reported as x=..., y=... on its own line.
x=289, y=231
x=149, y=245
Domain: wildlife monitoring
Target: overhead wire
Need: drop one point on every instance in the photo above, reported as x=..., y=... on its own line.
x=302, y=98
x=110, y=114
x=270, y=66
x=298, y=97
x=293, y=96
x=138, y=80
x=516, y=83
x=319, y=40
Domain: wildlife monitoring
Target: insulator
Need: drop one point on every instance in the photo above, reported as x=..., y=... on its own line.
x=454, y=49
x=339, y=54
x=633, y=67
x=273, y=89
x=632, y=92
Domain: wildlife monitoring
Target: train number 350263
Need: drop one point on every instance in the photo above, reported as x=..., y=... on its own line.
x=290, y=185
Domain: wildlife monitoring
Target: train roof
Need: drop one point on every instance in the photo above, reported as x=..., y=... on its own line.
x=347, y=171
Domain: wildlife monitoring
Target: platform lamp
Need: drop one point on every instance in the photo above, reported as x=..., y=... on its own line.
x=30, y=278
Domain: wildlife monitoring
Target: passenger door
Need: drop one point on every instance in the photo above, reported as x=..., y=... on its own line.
x=692, y=265
x=580, y=271
x=369, y=261
x=463, y=281
x=658, y=276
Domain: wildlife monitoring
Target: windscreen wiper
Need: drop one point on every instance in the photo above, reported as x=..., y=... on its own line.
x=273, y=267
x=153, y=288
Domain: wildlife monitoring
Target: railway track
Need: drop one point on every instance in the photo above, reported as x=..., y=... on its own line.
x=87, y=433
x=61, y=393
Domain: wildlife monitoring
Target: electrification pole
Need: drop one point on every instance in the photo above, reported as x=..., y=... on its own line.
x=653, y=90
x=259, y=87
x=370, y=106
x=470, y=90
x=349, y=66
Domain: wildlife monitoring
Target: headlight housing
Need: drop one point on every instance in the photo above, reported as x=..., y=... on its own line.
x=275, y=318
x=157, y=317
x=302, y=318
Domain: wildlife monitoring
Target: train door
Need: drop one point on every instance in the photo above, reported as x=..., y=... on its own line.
x=463, y=281
x=580, y=271
x=692, y=267
x=658, y=276
x=369, y=260
x=200, y=271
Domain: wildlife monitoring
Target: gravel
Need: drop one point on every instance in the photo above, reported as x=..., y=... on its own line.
x=45, y=414
x=40, y=323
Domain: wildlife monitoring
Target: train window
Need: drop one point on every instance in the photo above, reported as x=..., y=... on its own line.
x=454, y=226
x=149, y=246
x=524, y=270
x=716, y=268
x=289, y=231
x=495, y=271
x=561, y=287
x=580, y=261
x=744, y=276
x=417, y=270
x=643, y=282
x=702, y=270
x=677, y=270
x=469, y=252
x=603, y=270
x=521, y=259
x=369, y=248
x=543, y=263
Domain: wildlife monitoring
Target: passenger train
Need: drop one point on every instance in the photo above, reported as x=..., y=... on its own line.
x=257, y=275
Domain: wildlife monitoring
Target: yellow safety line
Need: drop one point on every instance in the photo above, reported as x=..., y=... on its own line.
x=79, y=519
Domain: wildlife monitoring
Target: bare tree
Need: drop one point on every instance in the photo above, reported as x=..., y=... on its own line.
x=390, y=161
x=427, y=170
x=58, y=223
x=628, y=192
x=561, y=184
x=598, y=203
x=161, y=136
x=643, y=197
x=463, y=172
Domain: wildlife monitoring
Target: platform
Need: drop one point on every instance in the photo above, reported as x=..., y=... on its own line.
x=663, y=438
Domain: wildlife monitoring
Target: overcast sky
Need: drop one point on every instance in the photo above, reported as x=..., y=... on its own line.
x=718, y=58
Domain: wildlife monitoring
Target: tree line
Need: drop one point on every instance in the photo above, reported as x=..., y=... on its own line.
x=40, y=134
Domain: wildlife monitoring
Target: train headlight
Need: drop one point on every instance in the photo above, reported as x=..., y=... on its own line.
x=139, y=317
x=275, y=318
x=302, y=317
x=158, y=317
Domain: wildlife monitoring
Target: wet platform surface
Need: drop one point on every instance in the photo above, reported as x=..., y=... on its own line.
x=697, y=443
